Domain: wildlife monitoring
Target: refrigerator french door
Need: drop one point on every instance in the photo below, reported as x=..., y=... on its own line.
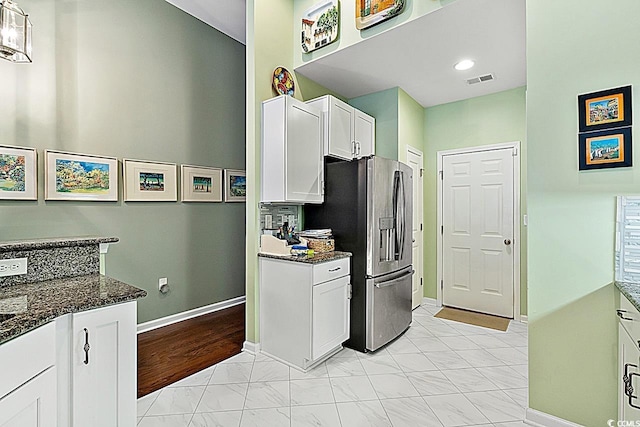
x=368, y=205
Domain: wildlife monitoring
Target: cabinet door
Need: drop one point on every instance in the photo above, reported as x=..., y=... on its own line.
x=365, y=134
x=341, y=132
x=304, y=165
x=31, y=405
x=628, y=362
x=330, y=316
x=104, y=377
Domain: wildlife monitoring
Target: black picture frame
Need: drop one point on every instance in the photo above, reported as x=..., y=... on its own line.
x=605, y=109
x=605, y=149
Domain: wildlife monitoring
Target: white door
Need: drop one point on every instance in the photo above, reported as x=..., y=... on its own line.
x=414, y=160
x=477, y=218
x=33, y=404
x=365, y=134
x=104, y=372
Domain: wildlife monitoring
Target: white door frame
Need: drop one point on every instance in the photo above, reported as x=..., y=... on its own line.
x=515, y=146
x=419, y=153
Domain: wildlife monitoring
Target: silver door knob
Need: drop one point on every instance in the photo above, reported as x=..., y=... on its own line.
x=507, y=242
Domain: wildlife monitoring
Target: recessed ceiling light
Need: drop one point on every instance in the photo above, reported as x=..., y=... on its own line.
x=465, y=64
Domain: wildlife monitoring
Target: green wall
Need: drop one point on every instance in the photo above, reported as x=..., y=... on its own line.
x=384, y=107
x=572, y=331
x=137, y=79
x=484, y=120
x=410, y=125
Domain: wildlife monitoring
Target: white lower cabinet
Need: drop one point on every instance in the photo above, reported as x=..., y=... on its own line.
x=628, y=361
x=104, y=366
x=33, y=404
x=304, y=309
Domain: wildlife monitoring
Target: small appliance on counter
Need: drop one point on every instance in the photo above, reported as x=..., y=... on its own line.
x=368, y=205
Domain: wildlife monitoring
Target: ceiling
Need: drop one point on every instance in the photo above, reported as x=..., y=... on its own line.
x=227, y=16
x=417, y=56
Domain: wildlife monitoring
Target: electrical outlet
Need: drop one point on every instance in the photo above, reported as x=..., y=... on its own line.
x=13, y=267
x=163, y=285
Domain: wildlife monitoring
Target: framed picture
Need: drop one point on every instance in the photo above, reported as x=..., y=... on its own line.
x=83, y=177
x=320, y=25
x=18, y=173
x=149, y=181
x=605, y=109
x=372, y=12
x=201, y=184
x=235, y=185
x=605, y=149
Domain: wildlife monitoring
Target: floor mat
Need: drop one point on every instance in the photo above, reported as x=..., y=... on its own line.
x=473, y=318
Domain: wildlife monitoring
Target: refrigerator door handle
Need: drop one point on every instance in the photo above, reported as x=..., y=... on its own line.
x=399, y=214
x=394, y=281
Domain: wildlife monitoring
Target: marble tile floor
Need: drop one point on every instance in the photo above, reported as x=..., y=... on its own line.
x=439, y=373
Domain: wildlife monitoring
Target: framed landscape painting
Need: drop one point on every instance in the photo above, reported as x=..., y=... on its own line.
x=201, y=184
x=605, y=109
x=372, y=12
x=605, y=149
x=235, y=185
x=18, y=173
x=146, y=181
x=83, y=177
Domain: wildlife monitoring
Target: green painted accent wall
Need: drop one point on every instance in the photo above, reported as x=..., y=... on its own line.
x=485, y=120
x=160, y=85
x=572, y=332
x=410, y=125
x=384, y=107
x=348, y=34
x=268, y=46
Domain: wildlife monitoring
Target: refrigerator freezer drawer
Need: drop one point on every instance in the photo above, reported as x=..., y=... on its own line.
x=388, y=308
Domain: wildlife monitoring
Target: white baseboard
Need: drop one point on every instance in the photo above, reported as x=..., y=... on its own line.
x=429, y=301
x=190, y=314
x=541, y=419
x=524, y=318
x=251, y=347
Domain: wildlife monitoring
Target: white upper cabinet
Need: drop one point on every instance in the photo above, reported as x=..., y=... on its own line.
x=348, y=133
x=292, y=152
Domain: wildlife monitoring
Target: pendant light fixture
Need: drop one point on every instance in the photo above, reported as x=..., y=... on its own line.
x=15, y=33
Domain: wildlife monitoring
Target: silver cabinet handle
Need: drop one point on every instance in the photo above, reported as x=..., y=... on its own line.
x=86, y=346
x=332, y=270
x=620, y=314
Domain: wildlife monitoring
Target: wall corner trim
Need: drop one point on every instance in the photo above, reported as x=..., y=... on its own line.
x=524, y=318
x=189, y=314
x=542, y=419
x=251, y=347
x=429, y=301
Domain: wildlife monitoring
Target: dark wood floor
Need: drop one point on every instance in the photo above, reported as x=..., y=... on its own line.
x=170, y=353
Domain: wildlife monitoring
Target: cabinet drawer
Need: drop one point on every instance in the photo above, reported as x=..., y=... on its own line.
x=26, y=356
x=629, y=317
x=330, y=270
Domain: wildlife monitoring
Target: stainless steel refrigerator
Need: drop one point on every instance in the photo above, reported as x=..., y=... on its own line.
x=368, y=205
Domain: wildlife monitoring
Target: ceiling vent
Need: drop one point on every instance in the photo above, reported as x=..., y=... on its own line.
x=480, y=79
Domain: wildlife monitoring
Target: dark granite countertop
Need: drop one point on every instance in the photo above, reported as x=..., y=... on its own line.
x=316, y=258
x=28, y=306
x=60, y=242
x=631, y=291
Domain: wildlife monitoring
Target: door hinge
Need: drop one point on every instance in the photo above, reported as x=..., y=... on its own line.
x=420, y=227
x=421, y=281
x=421, y=172
x=349, y=291
x=442, y=229
x=441, y=175
x=441, y=284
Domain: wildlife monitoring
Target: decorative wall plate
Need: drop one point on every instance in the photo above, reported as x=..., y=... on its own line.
x=373, y=12
x=283, y=81
x=320, y=25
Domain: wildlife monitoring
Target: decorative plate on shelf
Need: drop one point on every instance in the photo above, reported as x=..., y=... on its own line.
x=283, y=81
